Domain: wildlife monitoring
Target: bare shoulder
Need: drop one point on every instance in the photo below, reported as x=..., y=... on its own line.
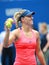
x=16, y=31
x=36, y=33
x=47, y=36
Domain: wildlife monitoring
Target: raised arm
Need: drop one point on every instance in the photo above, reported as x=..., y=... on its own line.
x=9, y=36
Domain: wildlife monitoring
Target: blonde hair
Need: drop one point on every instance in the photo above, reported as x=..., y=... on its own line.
x=43, y=27
x=17, y=15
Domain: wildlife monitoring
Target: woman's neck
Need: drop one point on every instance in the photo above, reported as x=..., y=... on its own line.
x=26, y=28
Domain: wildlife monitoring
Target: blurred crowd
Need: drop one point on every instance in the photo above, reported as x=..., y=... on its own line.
x=44, y=44
x=44, y=38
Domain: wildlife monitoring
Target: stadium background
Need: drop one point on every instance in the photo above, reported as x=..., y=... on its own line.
x=9, y=7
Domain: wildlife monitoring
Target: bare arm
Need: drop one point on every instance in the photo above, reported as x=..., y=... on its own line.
x=9, y=37
x=47, y=44
x=6, y=37
x=46, y=47
x=38, y=50
x=1, y=45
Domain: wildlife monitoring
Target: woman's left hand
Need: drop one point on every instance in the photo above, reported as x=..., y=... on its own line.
x=44, y=49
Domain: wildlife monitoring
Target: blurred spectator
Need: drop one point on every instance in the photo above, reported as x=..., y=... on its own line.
x=46, y=49
x=1, y=45
x=8, y=54
x=43, y=34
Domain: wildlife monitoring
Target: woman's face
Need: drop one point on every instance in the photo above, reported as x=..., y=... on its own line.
x=28, y=20
x=43, y=28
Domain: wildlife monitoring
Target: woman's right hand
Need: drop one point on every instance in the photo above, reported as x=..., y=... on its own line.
x=8, y=23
